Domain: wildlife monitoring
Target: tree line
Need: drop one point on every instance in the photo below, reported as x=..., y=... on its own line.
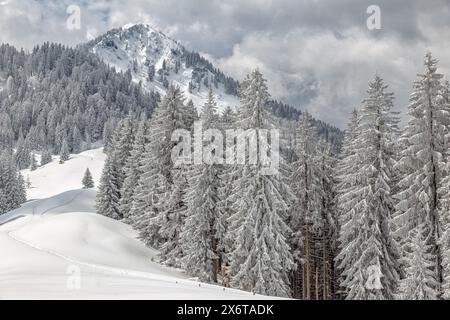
x=369, y=223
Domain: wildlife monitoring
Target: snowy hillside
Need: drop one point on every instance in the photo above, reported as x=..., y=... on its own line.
x=55, y=178
x=156, y=60
x=48, y=242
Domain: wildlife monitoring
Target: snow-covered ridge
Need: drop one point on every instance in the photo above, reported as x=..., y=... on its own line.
x=156, y=60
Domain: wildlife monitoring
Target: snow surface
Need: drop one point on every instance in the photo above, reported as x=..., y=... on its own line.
x=56, y=247
x=55, y=178
x=148, y=46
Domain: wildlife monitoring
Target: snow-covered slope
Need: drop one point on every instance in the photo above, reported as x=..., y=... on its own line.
x=140, y=48
x=55, y=178
x=57, y=247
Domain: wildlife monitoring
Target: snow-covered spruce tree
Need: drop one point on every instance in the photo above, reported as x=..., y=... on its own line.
x=3, y=202
x=346, y=179
x=261, y=260
x=419, y=282
x=6, y=132
x=46, y=157
x=77, y=140
x=88, y=182
x=328, y=233
x=345, y=172
x=228, y=176
x=109, y=194
x=444, y=216
x=122, y=143
x=64, y=153
x=34, y=164
x=12, y=186
x=23, y=153
x=311, y=215
x=421, y=166
x=133, y=170
x=198, y=236
x=306, y=209
x=368, y=253
x=156, y=166
x=227, y=118
x=19, y=193
x=171, y=221
x=191, y=114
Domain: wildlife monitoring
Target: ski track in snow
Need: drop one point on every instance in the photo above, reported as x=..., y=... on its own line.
x=118, y=271
x=123, y=272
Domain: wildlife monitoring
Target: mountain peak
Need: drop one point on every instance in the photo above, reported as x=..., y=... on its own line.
x=156, y=60
x=143, y=28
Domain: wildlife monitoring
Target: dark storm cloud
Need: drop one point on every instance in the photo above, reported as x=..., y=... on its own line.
x=316, y=54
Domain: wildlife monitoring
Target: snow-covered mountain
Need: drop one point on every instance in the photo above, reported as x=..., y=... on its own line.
x=156, y=60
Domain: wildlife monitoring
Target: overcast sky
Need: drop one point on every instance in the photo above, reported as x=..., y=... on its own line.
x=317, y=55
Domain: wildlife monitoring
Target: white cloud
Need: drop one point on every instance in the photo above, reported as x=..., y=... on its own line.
x=316, y=54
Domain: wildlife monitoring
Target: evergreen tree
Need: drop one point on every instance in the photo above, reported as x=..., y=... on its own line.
x=310, y=214
x=64, y=153
x=422, y=168
x=23, y=153
x=108, y=195
x=261, y=260
x=6, y=132
x=154, y=186
x=368, y=252
x=34, y=163
x=77, y=140
x=113, y=175
x=419, y=282
x=12, y=186
x=46, y=157
x=199, y=236
x=171, y=221
x=88, y=182
x=133, y=170
x=3, y=202
x=444, y=215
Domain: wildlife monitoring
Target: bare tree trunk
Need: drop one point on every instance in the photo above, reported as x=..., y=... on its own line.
x=317, y=284
x=307, y=280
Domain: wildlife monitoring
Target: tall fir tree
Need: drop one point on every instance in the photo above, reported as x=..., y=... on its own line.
x=419, y=282
x=133, y=170
x=311, y=215
x=154, y=185
x=368, y=252
x=34, y=164
x=109, y=195
x=64, y=153
x=88, y=181
x=23, y=153
x=422, y=169
x=46, y=157
x=12, y=186
x=306, y=208
x=199, y=238
x=261, y=260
